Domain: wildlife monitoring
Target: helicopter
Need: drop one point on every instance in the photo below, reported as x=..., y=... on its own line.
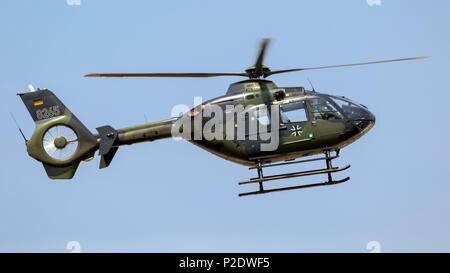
x=300, y=124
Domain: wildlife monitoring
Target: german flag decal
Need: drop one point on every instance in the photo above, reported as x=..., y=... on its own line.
x=38, y=102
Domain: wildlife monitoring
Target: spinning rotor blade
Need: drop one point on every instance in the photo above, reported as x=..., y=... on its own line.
x=342, y=65
x=255, y=71
x=170, y=75
x=260, y=59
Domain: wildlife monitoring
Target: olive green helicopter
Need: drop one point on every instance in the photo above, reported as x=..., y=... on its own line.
x=300, y=123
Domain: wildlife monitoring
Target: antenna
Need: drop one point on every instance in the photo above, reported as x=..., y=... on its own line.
x=18, y=127
x=314, y=90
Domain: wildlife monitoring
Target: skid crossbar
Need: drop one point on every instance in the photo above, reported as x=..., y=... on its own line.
x=328, y=171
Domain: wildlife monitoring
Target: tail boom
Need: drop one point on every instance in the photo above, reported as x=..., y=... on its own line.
x=60, y=141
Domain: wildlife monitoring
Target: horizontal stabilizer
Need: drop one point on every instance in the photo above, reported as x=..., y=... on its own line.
x=108, y=137
x=106, y=159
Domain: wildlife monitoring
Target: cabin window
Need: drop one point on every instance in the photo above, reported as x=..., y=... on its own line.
x=293, y=112
x=323, y=110
x=263, y=115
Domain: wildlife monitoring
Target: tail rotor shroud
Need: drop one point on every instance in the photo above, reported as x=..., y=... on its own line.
x=60, y=141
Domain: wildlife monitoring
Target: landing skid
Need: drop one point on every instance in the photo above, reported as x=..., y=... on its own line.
x=328, y=170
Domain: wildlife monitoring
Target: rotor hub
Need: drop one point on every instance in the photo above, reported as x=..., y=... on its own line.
x=60, y=142
x=254, y=72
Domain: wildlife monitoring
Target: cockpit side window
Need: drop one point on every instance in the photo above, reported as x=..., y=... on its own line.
x=293, y=112
x=323, y=110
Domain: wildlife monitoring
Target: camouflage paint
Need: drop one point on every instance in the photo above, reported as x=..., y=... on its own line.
x=315, y=136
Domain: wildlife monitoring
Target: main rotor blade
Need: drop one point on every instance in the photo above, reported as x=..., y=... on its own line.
x=342, y=65
x=170, y=75
x=260, y=59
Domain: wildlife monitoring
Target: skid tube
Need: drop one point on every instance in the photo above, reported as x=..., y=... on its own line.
x=328, y=170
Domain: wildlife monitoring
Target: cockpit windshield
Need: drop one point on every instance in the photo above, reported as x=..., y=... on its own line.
x=351, y=109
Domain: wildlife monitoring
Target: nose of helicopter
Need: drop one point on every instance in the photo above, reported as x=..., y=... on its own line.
x=365, y=122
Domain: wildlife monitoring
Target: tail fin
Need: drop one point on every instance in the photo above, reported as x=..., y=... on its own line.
x=60, y=141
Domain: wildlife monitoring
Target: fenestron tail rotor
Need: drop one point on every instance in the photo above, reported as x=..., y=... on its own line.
x=60, y=142
x=255, y=71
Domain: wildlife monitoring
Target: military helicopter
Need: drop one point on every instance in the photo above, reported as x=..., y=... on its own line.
x=308, y=123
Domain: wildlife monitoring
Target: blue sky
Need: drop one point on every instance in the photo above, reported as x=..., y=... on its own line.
x=171, y=196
